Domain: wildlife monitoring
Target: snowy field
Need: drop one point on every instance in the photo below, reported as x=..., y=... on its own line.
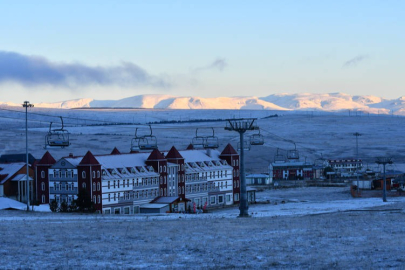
x=316, y=228
x=315, y=134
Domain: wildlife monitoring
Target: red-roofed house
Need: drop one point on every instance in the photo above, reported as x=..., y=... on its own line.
x=13, y=181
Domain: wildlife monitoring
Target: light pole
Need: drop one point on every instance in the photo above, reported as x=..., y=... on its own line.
x=357, y=161
x=27, y=105
x=241, y=126
x=384, y=161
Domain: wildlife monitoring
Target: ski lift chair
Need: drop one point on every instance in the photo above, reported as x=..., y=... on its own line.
x=57, y=137
x=257, y=139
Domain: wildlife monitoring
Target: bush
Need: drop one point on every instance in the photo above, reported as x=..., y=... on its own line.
x=53, y=206
x=63, y=207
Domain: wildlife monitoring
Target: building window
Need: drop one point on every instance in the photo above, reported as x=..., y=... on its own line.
x=212, y=200
x=220, y=199
x=94, y=199
x=43, y=174
x=43, y=198
x=94, y=174
x=84, y=185
x=126, y=210
x=98, y=199
x=43, y=186
x=108, y=184
x=118, y=183
x=109, y=196
x=83, y=174
x=117, y=211
x=98, y=186
x=228, y=198
x=98, y=174
x=114, y=183
x=94, y=186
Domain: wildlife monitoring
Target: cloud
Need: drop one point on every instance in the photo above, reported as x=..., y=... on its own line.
x=36, y=71
x=219, y=64
x=355, y=61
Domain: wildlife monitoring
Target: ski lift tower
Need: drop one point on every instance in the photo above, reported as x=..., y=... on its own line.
x=242, y=125
x=384, y=161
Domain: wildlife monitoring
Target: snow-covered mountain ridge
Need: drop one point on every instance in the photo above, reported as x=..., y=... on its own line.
x=283, y=101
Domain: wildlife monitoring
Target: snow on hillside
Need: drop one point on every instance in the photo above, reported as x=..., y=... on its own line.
x=283, y=101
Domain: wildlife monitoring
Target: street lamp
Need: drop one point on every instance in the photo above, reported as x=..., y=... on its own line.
x=27, y=105
x=357, y=161
x=384, y=161
x=241, y=126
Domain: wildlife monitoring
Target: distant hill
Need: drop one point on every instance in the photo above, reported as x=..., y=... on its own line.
x=283, y=101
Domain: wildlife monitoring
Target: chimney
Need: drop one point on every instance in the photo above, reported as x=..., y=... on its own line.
x=70, y=155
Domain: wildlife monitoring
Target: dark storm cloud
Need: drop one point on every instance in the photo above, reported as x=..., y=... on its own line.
x=34, y=71
x=355, y=61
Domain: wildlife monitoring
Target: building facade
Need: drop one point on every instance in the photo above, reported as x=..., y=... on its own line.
x=291, y=170
x=122, y=183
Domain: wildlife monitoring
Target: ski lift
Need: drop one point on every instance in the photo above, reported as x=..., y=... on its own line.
x=246, y=146
x=257, y=139
x=211, y=142
x=198, y=141
x=279, y=157
x=293, y=154
x=57, y=137
x=144, y=142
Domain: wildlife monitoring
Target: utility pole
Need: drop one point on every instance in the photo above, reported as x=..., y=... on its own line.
x=384, y=161
x=242, y=125
x=27, y=105
x=357, y=162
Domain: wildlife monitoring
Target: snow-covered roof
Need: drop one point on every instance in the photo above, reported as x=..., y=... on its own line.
x=9, y=169
x=257, y=175
x=154, y=205
x=291, y=163
x=116, y=161
x=21, y=177
x=199, y=155
x=165, y=199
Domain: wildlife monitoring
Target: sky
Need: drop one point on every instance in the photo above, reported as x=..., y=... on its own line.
x=60, y=50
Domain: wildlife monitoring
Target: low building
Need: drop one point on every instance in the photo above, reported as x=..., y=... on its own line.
x=291, y=170
x=13, y=181
x=258, y=179
x=345, y=167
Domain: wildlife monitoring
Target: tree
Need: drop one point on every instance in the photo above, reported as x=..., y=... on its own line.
x=53, y=206
x=84, y=202
x=63, y=207
x=326, y=170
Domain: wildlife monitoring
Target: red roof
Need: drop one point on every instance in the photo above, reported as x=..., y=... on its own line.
x=229, y=150
x=46, y=159
x=190, y=147
x=115, y=151
x=173, y=154
x=89, y=159
x=156, y=155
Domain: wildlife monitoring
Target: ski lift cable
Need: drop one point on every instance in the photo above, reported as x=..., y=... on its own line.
x=73, y=118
